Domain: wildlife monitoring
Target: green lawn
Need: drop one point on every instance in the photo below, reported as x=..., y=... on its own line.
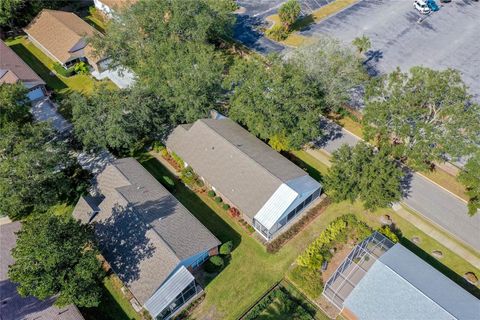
x=252, y=271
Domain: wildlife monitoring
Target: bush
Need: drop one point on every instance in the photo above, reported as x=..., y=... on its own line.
x=277, y=33
x=188, y=176
x=211, y=193
x=218, y=200
x=199, y=183
x=214, y=264
x=226, y=206
x=169, y=183
x=59, y=69
x=81, y=68
x=388, y=232
x=234, y=212
x=158, y=147
x=178, y=160
x=226, y=248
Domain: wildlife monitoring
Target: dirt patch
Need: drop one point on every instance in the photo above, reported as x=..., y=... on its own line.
x=342, y=251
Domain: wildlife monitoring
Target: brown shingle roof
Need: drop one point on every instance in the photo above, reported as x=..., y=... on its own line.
x=59, y=32
x=13, y=68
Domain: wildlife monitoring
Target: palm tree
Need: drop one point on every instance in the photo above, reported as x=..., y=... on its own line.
x=362, y=43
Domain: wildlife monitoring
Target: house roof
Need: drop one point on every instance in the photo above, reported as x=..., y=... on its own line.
x=400, y=285
x=59, y=32
x=240, y=166
x=12, y=305
x=143, y=231
x=14, y=69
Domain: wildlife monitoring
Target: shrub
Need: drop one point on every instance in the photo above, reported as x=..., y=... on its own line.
x=59, y=69
x=214, y=264
x=188, y=176
x=199, y=183
x=226, y=248
x=169, y=183
x=211, y=193
x=388, y=232
x=289, y=12
x=178, y=160
x=218, y=200
x=226, y=206
x=234, y=212
x=277, y=33
x=81, y=68
x=158, y=147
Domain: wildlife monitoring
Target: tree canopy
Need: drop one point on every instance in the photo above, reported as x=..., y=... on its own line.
x=17, y=13
x=470, y=177
x=361, y=173
x=363, y=44
x=55, y=255
x=332, y=67
x=422, y=115
x=169, y=46
x=289, y=12
x=14, y=105
x=275, y=101
x=117, y=119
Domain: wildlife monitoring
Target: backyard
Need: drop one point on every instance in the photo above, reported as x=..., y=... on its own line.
x=252, y=271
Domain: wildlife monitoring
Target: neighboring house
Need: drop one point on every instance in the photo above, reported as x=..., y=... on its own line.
x=13, y=69
x=382, y=280
x=62, y=36
x=269, y=190
x=12, y=305
x=152, y=242
x=108, y=7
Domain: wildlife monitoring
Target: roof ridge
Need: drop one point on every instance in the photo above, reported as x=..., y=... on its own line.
x=416, y=288
x=240, y=151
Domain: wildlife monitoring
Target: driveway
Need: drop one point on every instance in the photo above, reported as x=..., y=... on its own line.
x=429, y=200
x=252, y=19
x=45, y=110
x=449, y=38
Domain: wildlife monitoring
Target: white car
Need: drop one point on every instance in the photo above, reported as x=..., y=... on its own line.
x=421, y=6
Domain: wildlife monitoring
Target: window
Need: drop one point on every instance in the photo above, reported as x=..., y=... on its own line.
x=200, y=260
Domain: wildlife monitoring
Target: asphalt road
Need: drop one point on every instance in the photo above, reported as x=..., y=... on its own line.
x=448, y=38
x=423, y=196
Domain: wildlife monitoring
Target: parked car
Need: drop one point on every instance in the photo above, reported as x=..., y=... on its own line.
x=421, y=6
x=433, y=5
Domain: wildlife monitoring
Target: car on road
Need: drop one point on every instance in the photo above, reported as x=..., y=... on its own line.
x=433, y=5
x=421, y=6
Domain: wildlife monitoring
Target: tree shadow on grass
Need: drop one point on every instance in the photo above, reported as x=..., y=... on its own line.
x=42, y=70
x=314, y=173
x=449, y=273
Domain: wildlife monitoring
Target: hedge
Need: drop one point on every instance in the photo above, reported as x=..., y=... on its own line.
x=226, y=248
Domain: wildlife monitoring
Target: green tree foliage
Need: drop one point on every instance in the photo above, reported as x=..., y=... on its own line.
x=17, y=13
x=117, y=119
x=289, y=12
x=274, y=99
x=360, y=173
x=422, y=115
x=226, y=248
x=33, y=169
x=168, y=44
x=470, y=177
x=54, y=256
x=14, y=105
x=332, y=67
x=363, y=44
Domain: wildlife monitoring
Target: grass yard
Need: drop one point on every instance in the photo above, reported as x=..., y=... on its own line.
x=447, y=181
x=252, y=271
x=43, y=66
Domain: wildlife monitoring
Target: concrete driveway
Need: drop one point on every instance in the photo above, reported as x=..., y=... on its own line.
x=448, y=38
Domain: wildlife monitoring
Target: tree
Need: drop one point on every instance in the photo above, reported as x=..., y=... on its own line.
x=117, y=119
x=17, y=13
x=362, y=44
x=14, y=105
x=332, y=67
x=275, y=101
x=168, y=44
x=361, y=173
x=422, y=115
x=33, y=166
x=470, y=177
x=56, y=255
x=8, y=10
x=289, y=12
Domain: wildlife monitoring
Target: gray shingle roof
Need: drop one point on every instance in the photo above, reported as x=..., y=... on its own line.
x=143, y=231
x=401, y=286
x=12, y=305
x=236, y=163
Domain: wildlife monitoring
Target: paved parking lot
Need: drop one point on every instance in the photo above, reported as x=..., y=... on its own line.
x=253, y=18
x=447, y=38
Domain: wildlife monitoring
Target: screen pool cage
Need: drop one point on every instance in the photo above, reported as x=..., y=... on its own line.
x=354, y=267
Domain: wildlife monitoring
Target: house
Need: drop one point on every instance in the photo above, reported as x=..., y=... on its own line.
x=63, y=37
x=151, y=241
x=12, y=305
x=268, y=190
x=382, y=280
x=13, y=69
x=108, y=7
